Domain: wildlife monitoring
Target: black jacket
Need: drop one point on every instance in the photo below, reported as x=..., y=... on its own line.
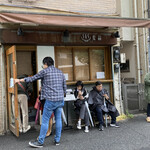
x=79, y=102
x=27, y=86
x=96, y=98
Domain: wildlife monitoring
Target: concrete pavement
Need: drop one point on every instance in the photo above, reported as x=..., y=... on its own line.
x=133, y=134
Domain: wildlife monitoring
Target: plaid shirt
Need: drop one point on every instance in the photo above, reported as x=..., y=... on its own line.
x=53, y=83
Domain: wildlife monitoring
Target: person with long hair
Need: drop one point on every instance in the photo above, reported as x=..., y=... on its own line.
x=80, y=93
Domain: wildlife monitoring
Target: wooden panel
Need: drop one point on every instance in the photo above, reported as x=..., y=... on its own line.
x=25, y=48
x=54, y=38
x=90, y=82
x=11, y=51
x=11, y=90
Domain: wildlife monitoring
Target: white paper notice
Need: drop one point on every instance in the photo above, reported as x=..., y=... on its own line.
x=66, y=75
x=70, y=97
x=100, y=75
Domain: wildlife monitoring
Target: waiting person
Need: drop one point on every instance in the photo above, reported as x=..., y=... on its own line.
x=24, y=90
x=53, y=89
x=96, y=102
x=147, y=94
x=80, y=93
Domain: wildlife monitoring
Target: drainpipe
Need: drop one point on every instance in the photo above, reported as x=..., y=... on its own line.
x=2, y=96
x=137, y=43
x=144, y=38
x=148, y=31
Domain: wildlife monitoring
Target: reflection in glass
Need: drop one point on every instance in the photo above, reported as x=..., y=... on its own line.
x=12, y=103
x=97, y=64
x=65, y=63
x=81, y=64
x=11, y=65
x=10, y=59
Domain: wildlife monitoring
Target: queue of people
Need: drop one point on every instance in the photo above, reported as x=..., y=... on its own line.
x=53, y=90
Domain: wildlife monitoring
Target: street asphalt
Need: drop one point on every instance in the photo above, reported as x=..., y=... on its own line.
x=133, y=134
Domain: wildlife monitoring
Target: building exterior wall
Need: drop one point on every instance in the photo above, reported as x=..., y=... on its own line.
x=3, y=100
x=95, y=7
x=77, y=6
x=130, y=37
x=129, y=49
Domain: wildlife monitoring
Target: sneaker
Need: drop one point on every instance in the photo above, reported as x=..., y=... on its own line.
x=101, y=128
x=57, y=143
x=114, y=125
x=36, y=144
x=79, y=125
x=86, y=129
x=27, y=129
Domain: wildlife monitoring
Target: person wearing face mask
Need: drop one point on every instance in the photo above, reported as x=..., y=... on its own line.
x=100, y=103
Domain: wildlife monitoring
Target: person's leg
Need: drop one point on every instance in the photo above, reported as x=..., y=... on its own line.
x=113, y=120
x=86, y=118
x=148, y=110
x=57, y=113
x=50, y=127
x=19, y=115
x=113, y=117
x=99, y=113
x=24, y=108
x=45, y=123
x=81, y=115
x=82, y=111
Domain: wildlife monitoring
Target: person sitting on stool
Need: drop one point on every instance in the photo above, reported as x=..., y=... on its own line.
x=80, y=93
x=96, y=102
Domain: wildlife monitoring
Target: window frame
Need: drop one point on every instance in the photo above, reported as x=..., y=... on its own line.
x=107, y=61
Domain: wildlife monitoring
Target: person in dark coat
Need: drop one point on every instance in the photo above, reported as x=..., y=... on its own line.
x=80, y=93
x=100, y=103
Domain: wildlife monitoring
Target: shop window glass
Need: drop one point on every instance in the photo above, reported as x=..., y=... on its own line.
x=81, y=59
x=97, y=64
x=65, y=62
x=84, y=63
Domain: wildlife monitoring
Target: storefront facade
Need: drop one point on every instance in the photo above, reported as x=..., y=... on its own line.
x=82, y=54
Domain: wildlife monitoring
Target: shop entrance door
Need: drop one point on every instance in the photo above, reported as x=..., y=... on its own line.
x=12, y=90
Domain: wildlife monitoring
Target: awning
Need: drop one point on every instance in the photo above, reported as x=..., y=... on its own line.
x=72, y=21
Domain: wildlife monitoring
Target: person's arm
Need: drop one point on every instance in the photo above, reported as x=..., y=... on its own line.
x=37, y=76
x=85, y=92
x=75, y=93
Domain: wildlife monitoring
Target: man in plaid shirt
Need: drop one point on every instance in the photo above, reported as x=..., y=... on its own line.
x=53, y=90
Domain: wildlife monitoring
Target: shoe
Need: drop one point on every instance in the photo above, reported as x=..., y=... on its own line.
x=86, y=129
x=101, y=128
x=27, y=129
x=56, y=143
x=114, y=125
x=79, y=125
x=148, y=119
x=36, y=144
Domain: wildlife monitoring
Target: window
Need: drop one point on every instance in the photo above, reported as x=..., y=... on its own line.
x=84, y=63
x=65, y=62
x=97, y=64
x=81, y=65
